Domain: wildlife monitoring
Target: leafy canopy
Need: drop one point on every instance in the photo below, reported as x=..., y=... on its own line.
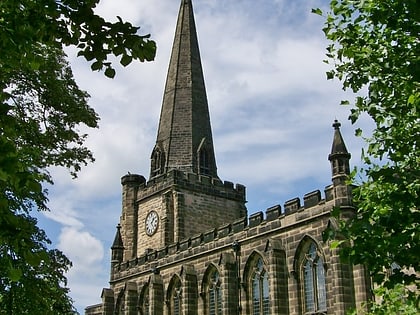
x=36, y=282
x=58, y=23
x=42, y=111
x=374, y=52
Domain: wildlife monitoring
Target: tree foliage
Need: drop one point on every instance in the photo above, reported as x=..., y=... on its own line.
x=374, y=52
x=396, y=300
x=42, y=111
x=36, y=283
x=58, y=23
x=39, y=117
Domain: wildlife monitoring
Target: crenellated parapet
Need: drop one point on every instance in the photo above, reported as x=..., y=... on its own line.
x=193, y=182
x=177, y=198
x=295, y=212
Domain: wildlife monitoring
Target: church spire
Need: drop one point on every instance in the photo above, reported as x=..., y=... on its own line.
x=184, y=139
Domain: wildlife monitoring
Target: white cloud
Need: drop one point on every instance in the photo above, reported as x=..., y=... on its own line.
x=84, y=250
x=63, y=213
x=87, y=255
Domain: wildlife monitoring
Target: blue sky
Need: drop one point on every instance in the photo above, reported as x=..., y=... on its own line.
x=271, y=111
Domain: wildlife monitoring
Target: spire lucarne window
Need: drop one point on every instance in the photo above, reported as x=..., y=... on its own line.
x=157, y=163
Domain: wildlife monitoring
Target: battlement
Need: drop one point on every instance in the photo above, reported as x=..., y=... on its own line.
x=259, y=223
x=190, y=181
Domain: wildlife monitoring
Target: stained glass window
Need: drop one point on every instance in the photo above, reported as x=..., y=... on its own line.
x=175, y=298
x=260, y=289
x=314, y=281
x=214, y=293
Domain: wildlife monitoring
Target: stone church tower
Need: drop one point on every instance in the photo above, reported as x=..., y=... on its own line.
x=184, y=195
x=185, y=244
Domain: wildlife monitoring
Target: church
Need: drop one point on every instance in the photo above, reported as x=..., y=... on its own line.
x=185, y=243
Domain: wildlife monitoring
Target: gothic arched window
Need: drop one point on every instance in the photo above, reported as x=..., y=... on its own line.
x=313, y=278
x=213, y=293
x=174, y=297
x=260, y=289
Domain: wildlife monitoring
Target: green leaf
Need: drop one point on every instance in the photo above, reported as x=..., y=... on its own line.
x=150, y=50
x=317, y=11
x=110, y=73
x=118, y=50
x=412, y=99
x=34, y=65
x=126, y=60
x=336, y=243
x=15, y=274
x=330, y=75
x=33, y=259
x=97, y=65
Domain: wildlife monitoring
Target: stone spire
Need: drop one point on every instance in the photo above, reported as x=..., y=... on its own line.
x=339, y=156
x=184, y=139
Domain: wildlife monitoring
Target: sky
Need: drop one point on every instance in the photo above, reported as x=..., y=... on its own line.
x=271, y=110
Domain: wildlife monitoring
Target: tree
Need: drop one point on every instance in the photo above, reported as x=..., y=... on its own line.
x=58, y=23
x=41, y=111
x=374, y=52
x=36, y=284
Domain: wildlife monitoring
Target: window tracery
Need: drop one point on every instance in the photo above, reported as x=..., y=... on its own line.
x=213, y=293
x=260, y=289
x=174, y=298
x=313, y=281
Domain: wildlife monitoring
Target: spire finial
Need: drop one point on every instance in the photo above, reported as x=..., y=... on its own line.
x=336, y=124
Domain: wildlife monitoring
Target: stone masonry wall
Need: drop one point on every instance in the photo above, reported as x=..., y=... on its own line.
x=186, y=205
x=197, y=212
x=276, y=236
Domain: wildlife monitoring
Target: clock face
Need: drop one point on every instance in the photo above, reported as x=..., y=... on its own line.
x=152, y=220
